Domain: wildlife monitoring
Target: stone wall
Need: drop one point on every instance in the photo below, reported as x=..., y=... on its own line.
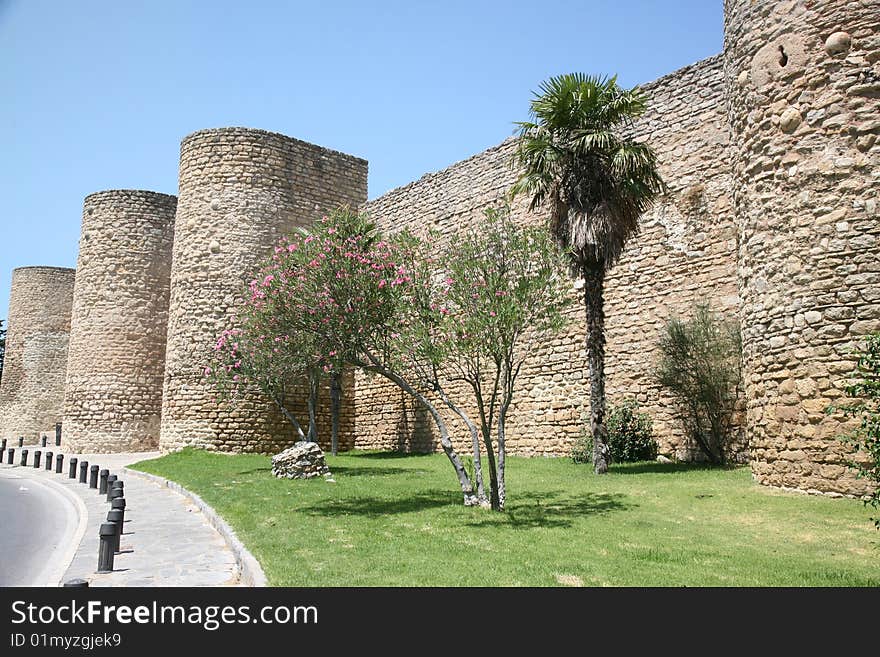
x=113, y=396
x=803, y=81
x=32, y=387
x=686, y=252
x=240, y=190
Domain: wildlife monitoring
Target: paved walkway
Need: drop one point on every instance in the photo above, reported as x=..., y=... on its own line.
x=166, y=540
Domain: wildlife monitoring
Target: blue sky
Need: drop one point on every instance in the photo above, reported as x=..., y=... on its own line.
x=96, y=95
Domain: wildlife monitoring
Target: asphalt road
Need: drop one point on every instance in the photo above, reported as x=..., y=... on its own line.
x=35, y=527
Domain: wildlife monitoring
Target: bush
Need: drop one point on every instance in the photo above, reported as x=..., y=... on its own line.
x=700, y=365
x=866, y=438
x=630, y=436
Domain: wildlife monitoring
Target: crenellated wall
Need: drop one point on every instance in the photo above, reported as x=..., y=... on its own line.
x=240, y=190
x=686, y=252
x=32, y=386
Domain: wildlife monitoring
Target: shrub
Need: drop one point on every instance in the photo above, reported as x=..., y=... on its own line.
x=865, y=387
x=700, y=365
x=630, y=436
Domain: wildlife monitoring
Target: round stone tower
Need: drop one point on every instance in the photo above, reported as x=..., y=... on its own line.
x=113, y=394
x=803, y=81
x=32, y=386
x=240, y=190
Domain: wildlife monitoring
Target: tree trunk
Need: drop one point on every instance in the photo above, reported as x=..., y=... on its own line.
x=290, y=417
x=314, y=381
x=467, y=489
x=335, y=403
x=502, y=453
x=594, y=281
x=475, y=442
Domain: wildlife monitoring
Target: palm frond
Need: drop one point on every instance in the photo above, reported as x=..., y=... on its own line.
x=573, y=158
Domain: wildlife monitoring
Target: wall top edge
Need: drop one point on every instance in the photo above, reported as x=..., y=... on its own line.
x=708, y=62
x=144, y=193
x=66, y=270
x=239, y=131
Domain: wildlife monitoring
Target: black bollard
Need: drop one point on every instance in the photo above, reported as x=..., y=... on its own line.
x=76, y=583
x=24, y=457
x=21, y=442
x=93, y=476
x=110, y=481
x=37, y=455
x=49, y=456
x=119, y=503
x=116, y=492
x=58, y=435
x=83, y=471
x=11, y=456
x=106, y=547
x=59, y=463
x=44, y=441
x=102, y=487
x=4, y=446
x=72, y=472
x=115, y=516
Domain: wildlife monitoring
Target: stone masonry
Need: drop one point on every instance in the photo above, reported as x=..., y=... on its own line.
x=686, y=252
x=240, y=191
x=770, y=151
x=32, y=387
x=803, y=82
x=113, y=395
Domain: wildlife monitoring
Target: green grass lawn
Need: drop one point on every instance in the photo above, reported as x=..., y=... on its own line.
x=397, y=521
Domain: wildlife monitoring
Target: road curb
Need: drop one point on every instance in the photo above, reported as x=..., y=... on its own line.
x=251, y=572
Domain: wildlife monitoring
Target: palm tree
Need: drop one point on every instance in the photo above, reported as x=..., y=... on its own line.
x=596, y=182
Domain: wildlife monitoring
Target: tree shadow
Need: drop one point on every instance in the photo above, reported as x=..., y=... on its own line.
x=391, y=455
x=553, y=512
x=652, y=467
x=377, y=507
x=550, y=511
x=375, y=472
x=268, y=468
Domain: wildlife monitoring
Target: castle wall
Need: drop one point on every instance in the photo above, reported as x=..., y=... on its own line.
x=803, y=81
x=685, y=253
x=240, y=190
x=116, y=361
x=32, y=386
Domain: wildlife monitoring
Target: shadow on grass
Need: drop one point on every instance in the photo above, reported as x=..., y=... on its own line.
x=376, y=507
x=375, y=472
x=388, y=455
x=268, y=468
x=548, y=512
x=652, y=467
x=551, y=512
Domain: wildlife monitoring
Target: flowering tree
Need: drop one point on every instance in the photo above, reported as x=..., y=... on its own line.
x=264, y=350
x=342, y=295
x=502, y=294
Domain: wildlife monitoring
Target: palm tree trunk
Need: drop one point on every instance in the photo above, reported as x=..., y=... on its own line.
x=594, y=282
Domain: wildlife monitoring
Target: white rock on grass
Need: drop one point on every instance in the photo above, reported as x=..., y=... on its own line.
x=301, y=461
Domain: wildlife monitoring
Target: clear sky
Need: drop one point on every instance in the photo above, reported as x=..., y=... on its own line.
x=97, y=95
